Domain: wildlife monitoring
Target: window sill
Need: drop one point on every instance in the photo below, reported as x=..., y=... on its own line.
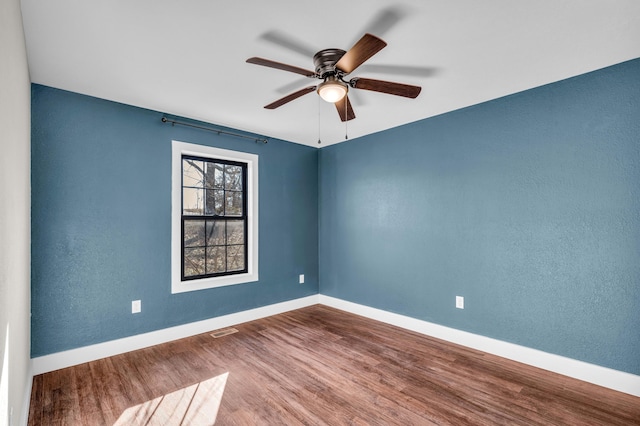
x=213, y=282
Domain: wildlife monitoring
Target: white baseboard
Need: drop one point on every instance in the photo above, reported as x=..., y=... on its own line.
x=602, y=376
x=56, y=361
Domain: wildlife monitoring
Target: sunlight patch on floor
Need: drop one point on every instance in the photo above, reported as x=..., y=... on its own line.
x=195, y=405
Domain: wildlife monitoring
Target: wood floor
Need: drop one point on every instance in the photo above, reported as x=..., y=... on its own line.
x=319, y=366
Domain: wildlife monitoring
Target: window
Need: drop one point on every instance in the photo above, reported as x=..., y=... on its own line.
x=214, y=217
x=214, y=220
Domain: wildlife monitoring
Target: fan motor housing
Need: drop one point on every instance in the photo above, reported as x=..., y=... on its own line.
x=325, y=61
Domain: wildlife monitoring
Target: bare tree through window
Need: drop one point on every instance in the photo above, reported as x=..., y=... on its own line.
x=214, y=219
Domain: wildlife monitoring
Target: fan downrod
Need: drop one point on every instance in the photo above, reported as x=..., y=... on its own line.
x=325, y=62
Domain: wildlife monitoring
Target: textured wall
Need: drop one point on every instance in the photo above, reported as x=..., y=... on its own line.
x=528, y=206
x=101, y=211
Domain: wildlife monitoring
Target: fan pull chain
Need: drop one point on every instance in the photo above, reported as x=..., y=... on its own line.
x=319, y=141
x=346, y=135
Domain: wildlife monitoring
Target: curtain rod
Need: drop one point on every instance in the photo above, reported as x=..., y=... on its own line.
x=213, y=129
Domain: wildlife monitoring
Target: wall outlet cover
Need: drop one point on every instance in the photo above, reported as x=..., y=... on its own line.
x=136, y=306
x=459, y=302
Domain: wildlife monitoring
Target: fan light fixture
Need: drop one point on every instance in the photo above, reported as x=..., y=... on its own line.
x=331, y=66
x=332, y=90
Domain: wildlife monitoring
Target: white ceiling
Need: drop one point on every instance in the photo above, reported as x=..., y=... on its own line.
x=187, y=57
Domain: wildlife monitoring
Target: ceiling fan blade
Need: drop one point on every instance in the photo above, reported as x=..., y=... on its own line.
x=385, y=19
x=281, y=66
x=409, y=70
x=345, y=111
x=388, y=87
x=289, y=42
x=291, y=97
x=292, y=85
x=365, y=48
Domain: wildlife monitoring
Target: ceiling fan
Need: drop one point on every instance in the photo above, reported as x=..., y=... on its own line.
x=332, y=66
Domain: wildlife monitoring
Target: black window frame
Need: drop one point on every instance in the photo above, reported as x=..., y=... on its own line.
x=213, y=217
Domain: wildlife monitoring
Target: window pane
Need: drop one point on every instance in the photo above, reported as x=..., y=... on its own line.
x=192, y=201
x=234, y=204
x=194, y=233
x=215, y=233
x=216, y=259
x=219, y=202
x=220, y=176
x=233, y=178
x=210, y=202
x=235, y=258
x=193, y=261
x=192, y=173
x=235, y=232
x=214, y=175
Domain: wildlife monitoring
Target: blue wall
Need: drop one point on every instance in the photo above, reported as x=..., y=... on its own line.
x=101, y=221
x=528, y=206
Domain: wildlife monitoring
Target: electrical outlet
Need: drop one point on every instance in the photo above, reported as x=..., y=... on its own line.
x=136, y=306
x=459, y=302
x=301, y=279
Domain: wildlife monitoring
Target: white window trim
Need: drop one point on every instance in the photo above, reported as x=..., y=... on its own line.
x=178, y=150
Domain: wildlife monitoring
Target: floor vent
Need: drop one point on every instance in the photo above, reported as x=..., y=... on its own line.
x=223, y=332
